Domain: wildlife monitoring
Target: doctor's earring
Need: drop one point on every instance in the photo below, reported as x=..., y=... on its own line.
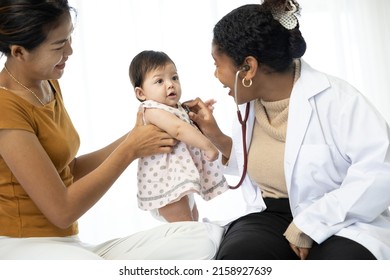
x=246, y=83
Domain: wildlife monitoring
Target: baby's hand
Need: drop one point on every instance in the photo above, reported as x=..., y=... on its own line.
x=211, y=154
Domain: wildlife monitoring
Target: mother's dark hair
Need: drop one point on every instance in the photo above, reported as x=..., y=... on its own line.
x=27, y=22
x=251, y=30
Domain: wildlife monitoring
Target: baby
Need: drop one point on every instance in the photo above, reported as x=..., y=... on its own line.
x=167, y=182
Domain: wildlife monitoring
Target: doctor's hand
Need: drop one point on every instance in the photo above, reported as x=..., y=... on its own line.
x=210, y=104
x=300, y=252
x=202, y=114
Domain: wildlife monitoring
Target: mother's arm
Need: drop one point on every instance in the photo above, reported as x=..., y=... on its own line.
x=62, y=205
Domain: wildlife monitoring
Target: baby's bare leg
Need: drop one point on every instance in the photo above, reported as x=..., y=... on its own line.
x=177, y=211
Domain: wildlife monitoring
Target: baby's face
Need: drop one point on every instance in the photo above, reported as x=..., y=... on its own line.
x=162, y=85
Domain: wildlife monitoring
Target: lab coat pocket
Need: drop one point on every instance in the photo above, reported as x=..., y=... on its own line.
x=316, y=172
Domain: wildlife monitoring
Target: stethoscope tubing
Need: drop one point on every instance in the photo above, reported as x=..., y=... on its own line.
x=244, y=147
x=243, y=130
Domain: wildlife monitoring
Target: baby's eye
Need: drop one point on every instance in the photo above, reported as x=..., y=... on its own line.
x=175, y=78
x=159, y=81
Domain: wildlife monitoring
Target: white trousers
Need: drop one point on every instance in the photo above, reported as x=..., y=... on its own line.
x=172, y=241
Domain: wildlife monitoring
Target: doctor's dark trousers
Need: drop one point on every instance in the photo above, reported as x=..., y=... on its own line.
x=259, y=236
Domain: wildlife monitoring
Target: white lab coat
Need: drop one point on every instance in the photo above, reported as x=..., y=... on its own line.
x=337, y=163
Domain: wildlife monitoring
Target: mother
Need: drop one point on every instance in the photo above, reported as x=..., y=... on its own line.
x=44, y=187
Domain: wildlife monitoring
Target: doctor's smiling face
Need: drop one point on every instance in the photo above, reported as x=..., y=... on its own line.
x=225, y=72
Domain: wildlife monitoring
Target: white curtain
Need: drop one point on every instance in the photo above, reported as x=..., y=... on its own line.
x=346, y=38
x=351, y=39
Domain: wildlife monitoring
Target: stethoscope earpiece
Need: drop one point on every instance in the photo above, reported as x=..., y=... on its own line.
x=246, y=67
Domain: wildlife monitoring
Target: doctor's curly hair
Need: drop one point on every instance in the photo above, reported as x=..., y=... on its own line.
x=252, y=30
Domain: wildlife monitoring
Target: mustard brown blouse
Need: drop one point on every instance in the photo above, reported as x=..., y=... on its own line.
x=19, y=216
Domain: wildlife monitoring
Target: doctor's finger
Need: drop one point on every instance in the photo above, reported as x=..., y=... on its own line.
x=210, y=104
x=195, y=105
x=303, y=253
x=296, y=250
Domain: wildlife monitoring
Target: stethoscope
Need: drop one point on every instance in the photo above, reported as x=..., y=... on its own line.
x=243, y=122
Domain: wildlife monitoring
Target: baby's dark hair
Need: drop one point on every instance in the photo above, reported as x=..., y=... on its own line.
x=145, y=62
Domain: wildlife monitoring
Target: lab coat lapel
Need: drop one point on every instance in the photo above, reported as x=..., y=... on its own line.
x=298, y=119
x=308, y=85
x=250, y=124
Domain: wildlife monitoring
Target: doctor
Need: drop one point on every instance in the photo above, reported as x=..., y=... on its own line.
x=317, y=174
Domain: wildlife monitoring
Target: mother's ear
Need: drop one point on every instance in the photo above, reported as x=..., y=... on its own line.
x=18, y=52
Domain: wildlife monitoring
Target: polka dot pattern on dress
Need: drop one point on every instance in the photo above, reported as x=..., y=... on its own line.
x=165, y=178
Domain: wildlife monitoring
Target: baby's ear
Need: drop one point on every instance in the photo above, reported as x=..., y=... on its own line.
x=139, y=93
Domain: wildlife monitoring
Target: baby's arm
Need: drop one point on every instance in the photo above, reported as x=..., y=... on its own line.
x=181, y=131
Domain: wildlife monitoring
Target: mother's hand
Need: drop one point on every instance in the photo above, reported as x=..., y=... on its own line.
x=148, y=139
